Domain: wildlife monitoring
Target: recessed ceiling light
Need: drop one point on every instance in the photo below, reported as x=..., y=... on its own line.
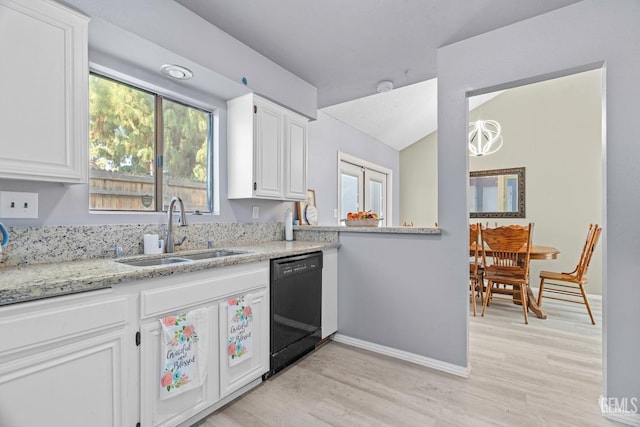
x=176, y=72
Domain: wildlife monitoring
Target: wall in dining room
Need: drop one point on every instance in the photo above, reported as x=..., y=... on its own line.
x=419, y=182
x=554, y=129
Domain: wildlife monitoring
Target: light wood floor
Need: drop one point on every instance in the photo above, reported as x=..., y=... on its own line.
x=547, y=373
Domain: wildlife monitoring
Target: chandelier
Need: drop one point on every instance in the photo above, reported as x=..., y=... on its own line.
x=484, y=137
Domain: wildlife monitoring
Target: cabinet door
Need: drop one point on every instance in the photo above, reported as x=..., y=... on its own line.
x=173, y=410
x=63, y=362
x=76, y=385
x=268, y=151
x=295, y=148
x=44, y=87
x=234, y=375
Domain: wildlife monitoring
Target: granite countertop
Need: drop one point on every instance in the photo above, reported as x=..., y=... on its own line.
x=32, y=282
x=394, y=230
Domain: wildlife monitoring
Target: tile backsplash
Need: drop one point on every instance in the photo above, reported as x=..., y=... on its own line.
x=35, y=245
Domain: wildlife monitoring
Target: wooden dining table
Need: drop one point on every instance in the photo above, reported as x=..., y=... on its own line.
x=538, y=252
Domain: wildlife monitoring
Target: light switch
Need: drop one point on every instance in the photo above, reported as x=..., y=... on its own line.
x=18, y=205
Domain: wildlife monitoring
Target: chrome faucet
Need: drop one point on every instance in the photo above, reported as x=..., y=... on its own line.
x=169, y=244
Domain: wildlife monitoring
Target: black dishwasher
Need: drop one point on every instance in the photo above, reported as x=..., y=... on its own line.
x=296, y=308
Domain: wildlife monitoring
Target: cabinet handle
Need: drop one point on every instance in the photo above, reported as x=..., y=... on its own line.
x=138, y=339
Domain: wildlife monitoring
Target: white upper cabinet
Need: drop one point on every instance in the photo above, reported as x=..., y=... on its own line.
x=266, y=150
x=295, y=152
x=44, y=87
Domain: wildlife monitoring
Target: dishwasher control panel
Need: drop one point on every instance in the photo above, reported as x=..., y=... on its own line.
x=293, y=266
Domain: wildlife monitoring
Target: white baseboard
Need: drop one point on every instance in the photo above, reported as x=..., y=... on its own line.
x=626, y=419
x=621, y=410
x=404, y=355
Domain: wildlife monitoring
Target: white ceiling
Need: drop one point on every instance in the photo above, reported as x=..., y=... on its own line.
x=344, y=48
x=397, y=118
x=400, y=117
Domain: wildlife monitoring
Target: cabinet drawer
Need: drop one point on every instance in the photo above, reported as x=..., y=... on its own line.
x=60, y=319
x=200, y=287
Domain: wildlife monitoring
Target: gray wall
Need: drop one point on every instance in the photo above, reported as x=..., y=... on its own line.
x=197, y=40
x=392, y=292
x=136, y=34
x=581, y=36
x=69, y=205
x=60, y=205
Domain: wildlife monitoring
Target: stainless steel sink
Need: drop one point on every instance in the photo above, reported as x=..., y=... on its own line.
x=182, y=258
x=154, y=261
x=214, y=254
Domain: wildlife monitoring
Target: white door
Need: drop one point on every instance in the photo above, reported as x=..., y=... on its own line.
x=375, y=185
x=363, y=187
x=351, y=194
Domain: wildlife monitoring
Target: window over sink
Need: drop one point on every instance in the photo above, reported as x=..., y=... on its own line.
x=146, y=148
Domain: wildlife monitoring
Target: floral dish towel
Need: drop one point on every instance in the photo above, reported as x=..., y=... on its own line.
x=183, y=358
x=240, y=328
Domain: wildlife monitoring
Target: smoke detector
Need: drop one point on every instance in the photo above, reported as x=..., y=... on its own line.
x=385, y=86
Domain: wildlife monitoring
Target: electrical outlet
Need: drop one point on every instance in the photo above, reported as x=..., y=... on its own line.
x=335, y=213
x=18, y=205
x=256, y=212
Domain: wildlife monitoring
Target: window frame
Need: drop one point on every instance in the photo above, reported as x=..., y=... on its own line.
x=160, y=94
x=353, y=162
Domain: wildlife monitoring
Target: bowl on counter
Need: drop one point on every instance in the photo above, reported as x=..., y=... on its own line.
x=366, y=222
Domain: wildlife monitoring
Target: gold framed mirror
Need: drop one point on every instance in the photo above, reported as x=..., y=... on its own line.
x=497, y=193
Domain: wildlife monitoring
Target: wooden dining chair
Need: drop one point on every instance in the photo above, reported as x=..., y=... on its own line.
x=506, y=268
x=476, y=282
x=572, y=284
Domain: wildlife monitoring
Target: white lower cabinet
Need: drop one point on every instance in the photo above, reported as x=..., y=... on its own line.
x=238, y=372
x=98, y=358
x=203, y=296
x=63, y=362
x=156, y=411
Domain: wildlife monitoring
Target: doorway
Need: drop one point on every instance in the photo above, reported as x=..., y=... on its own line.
x=553, y=129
